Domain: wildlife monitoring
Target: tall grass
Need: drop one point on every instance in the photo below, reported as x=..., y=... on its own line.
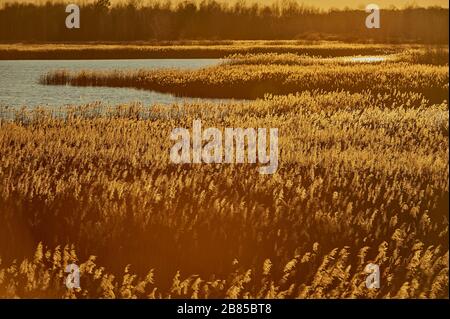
x=435, y=55
x=362, y=178
x=254, y=76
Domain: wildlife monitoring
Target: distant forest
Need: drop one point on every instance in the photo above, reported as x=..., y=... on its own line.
x=212, y=20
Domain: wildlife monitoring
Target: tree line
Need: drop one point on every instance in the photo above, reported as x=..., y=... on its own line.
x=213, y=20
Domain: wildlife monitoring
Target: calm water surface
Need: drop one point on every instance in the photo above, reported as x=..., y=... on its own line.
x=19, y=82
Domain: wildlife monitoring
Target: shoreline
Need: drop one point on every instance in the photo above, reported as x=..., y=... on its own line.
x=196, y=50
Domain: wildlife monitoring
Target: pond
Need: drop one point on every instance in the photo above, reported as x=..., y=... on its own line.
x=19, y=82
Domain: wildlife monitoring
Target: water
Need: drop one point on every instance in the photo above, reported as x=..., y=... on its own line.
x=19, y=82
x=367, y=59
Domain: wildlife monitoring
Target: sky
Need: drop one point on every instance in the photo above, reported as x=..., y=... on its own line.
x=327, y=4
x=323, y=4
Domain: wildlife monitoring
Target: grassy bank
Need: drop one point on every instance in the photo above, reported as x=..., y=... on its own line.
x=362, y=178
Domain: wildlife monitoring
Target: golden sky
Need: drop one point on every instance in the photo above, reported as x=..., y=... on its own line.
x=324, y=4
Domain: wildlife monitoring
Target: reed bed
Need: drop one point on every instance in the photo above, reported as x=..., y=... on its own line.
x=363, y=177
x=434, y=55
x=255, y=79
x=187, y=49
x=300, y=60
